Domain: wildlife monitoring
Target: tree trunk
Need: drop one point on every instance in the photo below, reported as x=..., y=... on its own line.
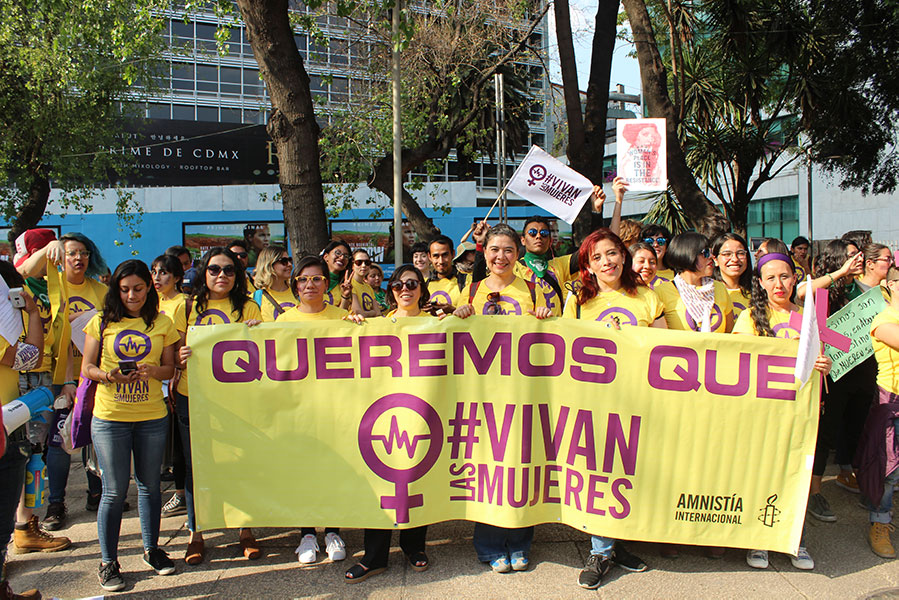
x=383, y=182
x=658, y=104
x=589, y=161
x=292, y=124
x=30, y=213
x=568, y=67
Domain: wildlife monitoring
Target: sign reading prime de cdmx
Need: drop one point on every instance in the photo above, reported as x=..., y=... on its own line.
x=184, y=153
x=640, y=433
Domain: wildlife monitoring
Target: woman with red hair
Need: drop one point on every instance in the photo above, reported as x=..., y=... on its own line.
x=611, y=292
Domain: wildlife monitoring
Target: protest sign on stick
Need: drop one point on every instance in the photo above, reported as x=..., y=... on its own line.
x=854, y=321
x=642, y=153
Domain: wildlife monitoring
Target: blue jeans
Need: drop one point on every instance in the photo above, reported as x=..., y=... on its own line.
x=115, y=442
x=181, y=410
x=601, y=546
x=883, y=512
x=12, y=478
x=492, y=542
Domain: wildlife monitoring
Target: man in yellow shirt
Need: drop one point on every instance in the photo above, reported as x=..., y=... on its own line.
x=447, y=282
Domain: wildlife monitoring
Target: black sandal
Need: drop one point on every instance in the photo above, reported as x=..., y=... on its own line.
x=418, y=561
x=360, y=572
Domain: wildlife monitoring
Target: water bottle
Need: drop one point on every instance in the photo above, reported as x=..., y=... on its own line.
x=36, y=487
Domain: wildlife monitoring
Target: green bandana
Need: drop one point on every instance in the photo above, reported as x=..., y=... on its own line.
x=334, y=280
x=536, y=263
x=39, y=288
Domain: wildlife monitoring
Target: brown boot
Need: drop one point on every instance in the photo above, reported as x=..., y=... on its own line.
x=879, y=539
x=34, y=539
x=6, y=593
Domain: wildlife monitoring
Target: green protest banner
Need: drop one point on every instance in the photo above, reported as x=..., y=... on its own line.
x=854, y=321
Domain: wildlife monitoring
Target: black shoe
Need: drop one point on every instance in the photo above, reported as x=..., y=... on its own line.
x=160, y=561
x=596, y=568
x=626, y=560
x=110, y=577
x=56, y=517
x=167, y=475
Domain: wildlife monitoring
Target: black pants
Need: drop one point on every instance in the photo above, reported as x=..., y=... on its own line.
x=377, y=544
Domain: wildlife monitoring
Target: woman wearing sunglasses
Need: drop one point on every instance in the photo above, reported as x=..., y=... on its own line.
x=219, y=296
x=502, y=292
x=273, y=293
x=693, y=300
x=364, y=301
x=732, y=269
x=612, y=293
x=773, y=297
x=339, y=291
x=407, y=294
x=309, y=284
x=658, y=237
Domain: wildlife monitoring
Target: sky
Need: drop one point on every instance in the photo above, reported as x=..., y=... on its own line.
x=583, y=15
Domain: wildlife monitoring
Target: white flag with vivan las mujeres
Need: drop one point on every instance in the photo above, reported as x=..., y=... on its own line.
x=557, y=188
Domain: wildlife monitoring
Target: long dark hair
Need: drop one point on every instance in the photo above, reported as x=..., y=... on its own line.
x=758, y=303
x=745, y=279
x=589, y=286
x=333, y=244
x=238, y=293
x=683, y=251
x=113, y=309
x=422, y=285
x=172, y=265
x=835, y=253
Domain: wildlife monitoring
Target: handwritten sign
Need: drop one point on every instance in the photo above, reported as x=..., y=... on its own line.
x=854, y=321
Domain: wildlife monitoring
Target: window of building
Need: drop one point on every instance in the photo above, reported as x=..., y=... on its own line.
x=774, y=217
x=183, y=112
x=207, y=113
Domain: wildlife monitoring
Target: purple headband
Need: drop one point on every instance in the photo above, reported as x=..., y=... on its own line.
x=775, y=256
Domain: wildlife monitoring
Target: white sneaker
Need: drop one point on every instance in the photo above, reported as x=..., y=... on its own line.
x=803, y=560
x=307, y=550
x=335, y=547
x=757, y=559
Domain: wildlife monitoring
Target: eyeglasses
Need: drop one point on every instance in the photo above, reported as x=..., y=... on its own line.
x=542, y=232
x=362, y=261
x=728, y=255
x=491, y=307
x=241, y=255
x=78, y=253
x=316, y=279
x=216, y=270
x=340, y=254
x=882, y=259
x=659, y=241
x=410, y=284
x=284, y=261
x=705, y=253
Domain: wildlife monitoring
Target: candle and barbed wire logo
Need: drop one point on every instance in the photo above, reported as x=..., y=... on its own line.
x=421, y=426
x=768, y=514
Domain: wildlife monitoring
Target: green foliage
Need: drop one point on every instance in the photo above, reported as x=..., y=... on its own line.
x=666, y=211
x=63, y=69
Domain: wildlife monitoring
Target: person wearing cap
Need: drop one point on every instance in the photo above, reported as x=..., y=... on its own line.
x=466, y=254
x=768, y=315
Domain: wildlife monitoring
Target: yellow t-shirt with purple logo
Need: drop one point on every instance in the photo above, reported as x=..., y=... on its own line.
x=330, y=312
x=739, y=300
x=217, y=312
x=131, y=339
x=174, y=309
x=365, y=295
x=640, y=310
x=285, y=300
x=445, y=290
x=677, y=317
x=514, y=299
x=887, y=356
x=778, y=320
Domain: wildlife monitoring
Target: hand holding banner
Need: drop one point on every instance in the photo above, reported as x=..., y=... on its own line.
x=551, y=185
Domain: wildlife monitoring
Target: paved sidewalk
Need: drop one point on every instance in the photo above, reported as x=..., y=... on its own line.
x=846, y=568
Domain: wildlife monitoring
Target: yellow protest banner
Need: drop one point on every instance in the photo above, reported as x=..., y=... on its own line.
x=640, y=434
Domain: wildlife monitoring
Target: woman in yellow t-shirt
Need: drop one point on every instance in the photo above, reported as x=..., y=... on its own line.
x=503, y=293
x=773, y=287
x=693, y=300
x=339, y=289
x=136, y=349
x=883, y=424
x=645, y=263
x=732, y=268
x=219, y=296
x=273, y=294
x=364, y=301
x=407, y=293
x=612, y=293
x=659, y=238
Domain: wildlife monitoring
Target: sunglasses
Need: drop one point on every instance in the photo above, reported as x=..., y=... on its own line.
x=316, y=279
x=284, y=261
x=410, y=284
x=241, y=255
x=491, y=307
x=362, y=261
x=660, y=241
x=216, y=270
x=705, y=253
x=542, y=232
